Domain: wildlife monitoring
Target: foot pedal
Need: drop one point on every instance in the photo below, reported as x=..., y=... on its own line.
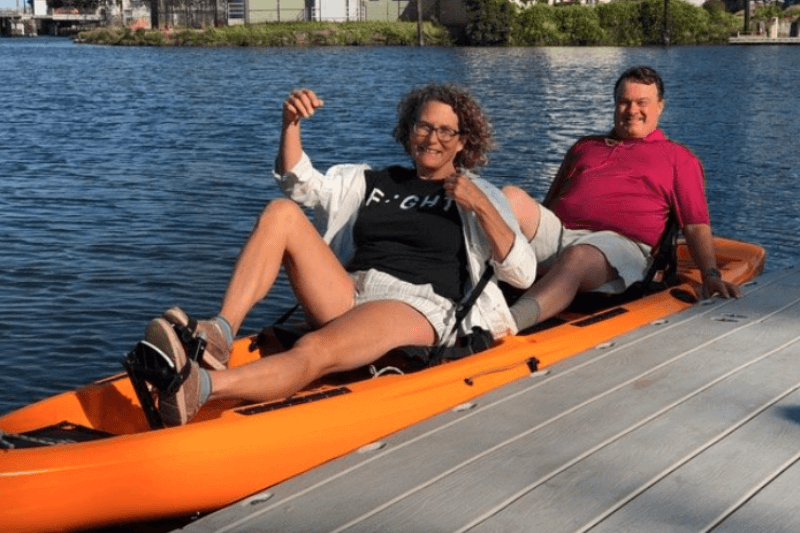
x=147, y=365
x=144, y=364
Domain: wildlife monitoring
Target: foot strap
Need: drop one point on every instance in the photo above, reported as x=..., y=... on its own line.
x=147, y=365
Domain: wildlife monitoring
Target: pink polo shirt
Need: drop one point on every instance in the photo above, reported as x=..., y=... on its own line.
x=628, y=186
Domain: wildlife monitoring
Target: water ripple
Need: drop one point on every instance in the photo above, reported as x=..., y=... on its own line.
x=130, y=177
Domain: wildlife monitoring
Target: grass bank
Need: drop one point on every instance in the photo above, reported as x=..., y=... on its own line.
x=276, y=34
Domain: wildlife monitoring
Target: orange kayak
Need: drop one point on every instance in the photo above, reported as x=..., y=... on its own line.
x=87, y=458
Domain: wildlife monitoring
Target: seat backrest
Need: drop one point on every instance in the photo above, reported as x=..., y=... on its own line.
x=665, y=260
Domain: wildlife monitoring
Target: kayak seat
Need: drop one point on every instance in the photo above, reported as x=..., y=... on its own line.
x=286, y=335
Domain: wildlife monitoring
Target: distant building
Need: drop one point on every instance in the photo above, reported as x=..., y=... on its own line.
x=127, y=13
x=189, y=13
x=447, y=12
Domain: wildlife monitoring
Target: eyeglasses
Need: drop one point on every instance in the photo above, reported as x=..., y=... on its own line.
x=445, y=134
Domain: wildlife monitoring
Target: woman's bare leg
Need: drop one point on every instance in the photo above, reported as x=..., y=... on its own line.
x=356, y=338
x=284, y=235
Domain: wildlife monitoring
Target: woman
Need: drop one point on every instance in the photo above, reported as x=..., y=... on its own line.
x=412, y=238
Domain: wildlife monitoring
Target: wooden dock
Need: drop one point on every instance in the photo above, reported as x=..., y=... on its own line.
x=690, y=424
x=763, y=39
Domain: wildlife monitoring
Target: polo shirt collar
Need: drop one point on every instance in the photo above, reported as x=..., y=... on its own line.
x=656, y=135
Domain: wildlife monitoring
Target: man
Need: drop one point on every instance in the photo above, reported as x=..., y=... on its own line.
x=608, y=206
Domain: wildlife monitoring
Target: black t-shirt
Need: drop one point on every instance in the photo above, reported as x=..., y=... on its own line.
x=411, y=229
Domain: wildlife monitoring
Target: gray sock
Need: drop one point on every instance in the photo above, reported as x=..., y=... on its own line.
x=205, y=385
x=526, y=312
x=227, y=330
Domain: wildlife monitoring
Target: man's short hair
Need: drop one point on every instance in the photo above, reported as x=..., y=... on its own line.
x=640, y=74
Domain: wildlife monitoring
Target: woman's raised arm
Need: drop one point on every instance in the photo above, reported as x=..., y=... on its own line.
x=300, y=104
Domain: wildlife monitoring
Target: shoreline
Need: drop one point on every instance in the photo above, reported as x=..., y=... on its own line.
x=294, y=34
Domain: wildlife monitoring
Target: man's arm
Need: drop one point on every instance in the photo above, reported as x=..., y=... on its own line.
x=557, y=187
x=701, y=245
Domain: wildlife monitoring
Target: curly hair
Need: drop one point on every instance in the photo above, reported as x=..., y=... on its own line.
x=474, y=126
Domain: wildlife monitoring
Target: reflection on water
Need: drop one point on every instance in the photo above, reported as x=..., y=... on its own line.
x=130, y=177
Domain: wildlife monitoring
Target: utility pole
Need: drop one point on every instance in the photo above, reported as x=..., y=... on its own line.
x=746, y=29
x=419, y=23
x=155, y=19
x=665, y=29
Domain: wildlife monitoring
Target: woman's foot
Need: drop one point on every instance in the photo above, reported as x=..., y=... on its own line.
x=181, y=401
x=218, y=349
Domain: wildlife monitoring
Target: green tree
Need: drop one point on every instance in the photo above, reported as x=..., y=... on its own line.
x=688, y=24
x=641, y=23
x=544, y=25
x=722, y=24
x=767, y=12
x=621, y=22
x=581, y=24
x=539, y=26
x=490, y=22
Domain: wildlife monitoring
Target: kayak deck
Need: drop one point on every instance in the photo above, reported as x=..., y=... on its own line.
x=229, y=450
x=689, y=424
x=110, y=406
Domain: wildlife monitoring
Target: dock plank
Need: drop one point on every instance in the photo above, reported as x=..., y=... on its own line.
x=612, y=482
x=668, y=428
x=773, y=507
x=518, y=467
x=721, y=473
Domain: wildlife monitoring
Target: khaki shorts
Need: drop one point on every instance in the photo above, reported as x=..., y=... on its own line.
x=372, y=285
x=630, y=259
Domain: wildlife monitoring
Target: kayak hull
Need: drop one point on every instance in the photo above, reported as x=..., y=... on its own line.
x=128, y=473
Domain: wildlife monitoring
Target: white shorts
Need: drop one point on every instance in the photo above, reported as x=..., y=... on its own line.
x=372, y=285
x=630, y=259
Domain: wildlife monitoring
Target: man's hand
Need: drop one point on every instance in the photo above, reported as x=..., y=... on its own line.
x=714, y=284
x=701, y=244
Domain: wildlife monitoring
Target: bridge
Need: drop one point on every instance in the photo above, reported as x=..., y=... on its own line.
x=23, y=23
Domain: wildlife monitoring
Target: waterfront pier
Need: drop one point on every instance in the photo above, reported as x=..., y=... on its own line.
x=690, y=424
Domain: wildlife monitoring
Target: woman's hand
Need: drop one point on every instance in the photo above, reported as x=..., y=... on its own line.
x=471, y=198
x=300, y=104
x=464, y=191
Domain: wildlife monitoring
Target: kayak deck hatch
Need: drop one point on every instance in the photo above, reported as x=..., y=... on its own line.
x=61, y=433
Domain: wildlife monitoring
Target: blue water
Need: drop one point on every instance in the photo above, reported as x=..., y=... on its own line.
x=129, y=177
